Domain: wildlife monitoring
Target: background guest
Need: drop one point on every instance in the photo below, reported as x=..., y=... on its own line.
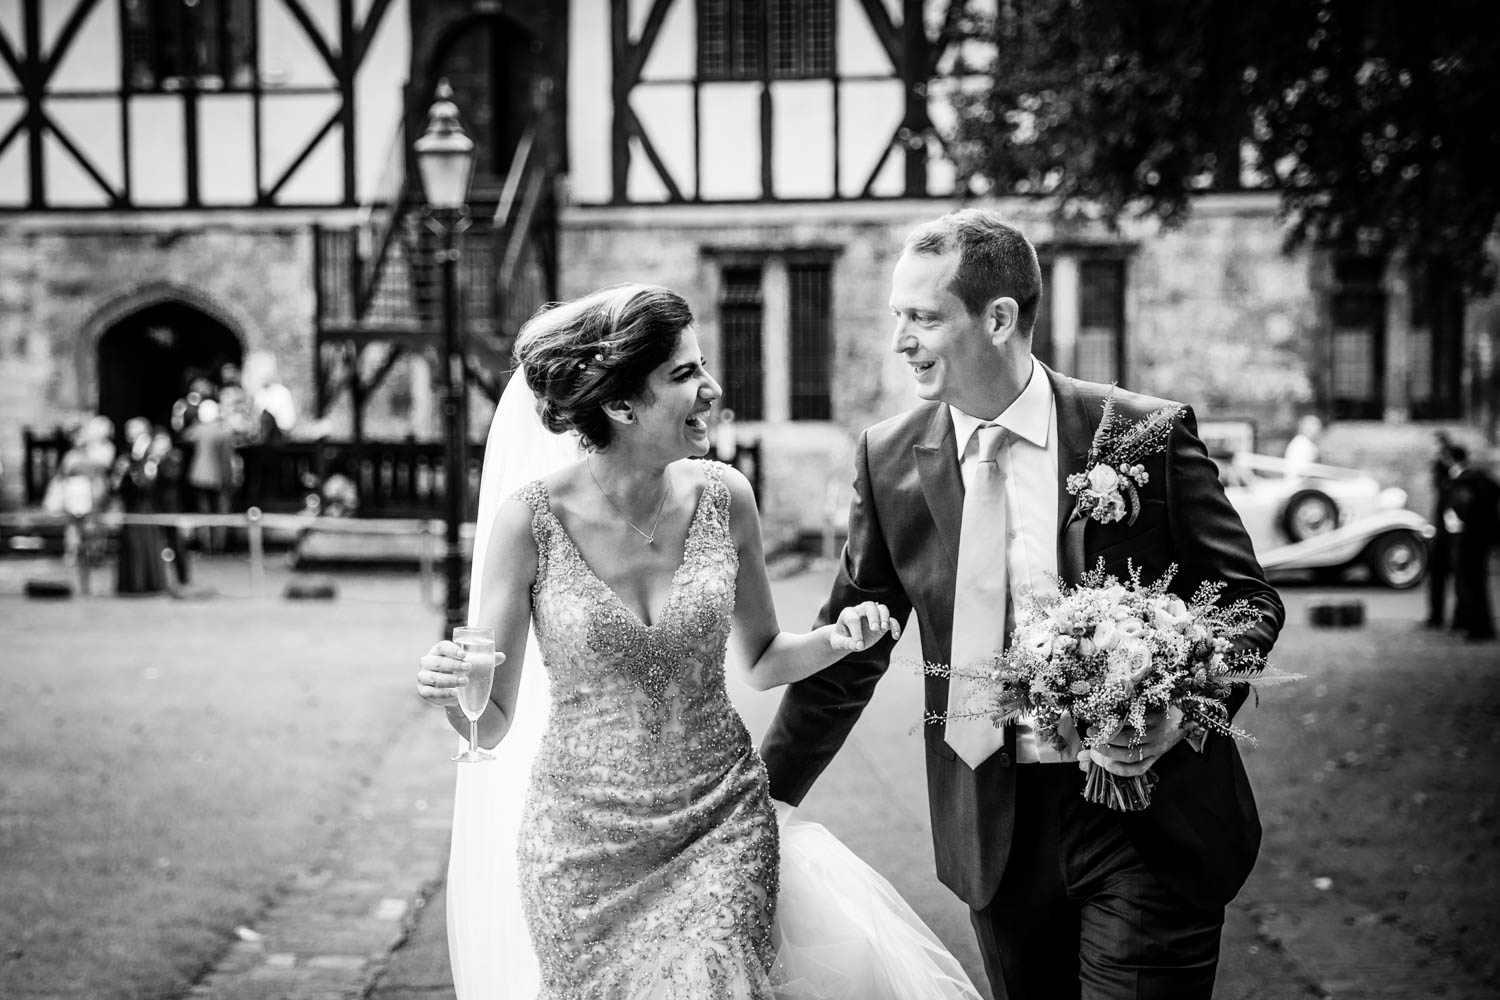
x=1473, y=517
x=139, y=567
x=166, y=497
x=1302, y=450
x=210, y=470
x=1440, y=552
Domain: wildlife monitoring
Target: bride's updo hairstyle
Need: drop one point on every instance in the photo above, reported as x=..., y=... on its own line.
x=578, y=356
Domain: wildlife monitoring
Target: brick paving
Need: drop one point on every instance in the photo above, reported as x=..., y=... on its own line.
x=331, y=934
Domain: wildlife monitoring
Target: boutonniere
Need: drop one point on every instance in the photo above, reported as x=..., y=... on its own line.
x=1108, y=489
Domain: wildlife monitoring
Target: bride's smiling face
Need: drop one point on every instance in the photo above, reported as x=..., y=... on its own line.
x=673, y=410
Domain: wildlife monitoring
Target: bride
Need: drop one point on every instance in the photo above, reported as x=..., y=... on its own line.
x=642, y=857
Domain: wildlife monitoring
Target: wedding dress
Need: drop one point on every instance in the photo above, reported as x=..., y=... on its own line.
x=648, y=864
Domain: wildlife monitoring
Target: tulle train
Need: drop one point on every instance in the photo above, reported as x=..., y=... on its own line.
x=843, y=932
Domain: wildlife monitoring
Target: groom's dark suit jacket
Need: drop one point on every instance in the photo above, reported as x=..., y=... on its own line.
x=1201, y=832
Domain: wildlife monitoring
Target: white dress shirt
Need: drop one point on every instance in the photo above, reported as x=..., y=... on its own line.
x=1028, y=469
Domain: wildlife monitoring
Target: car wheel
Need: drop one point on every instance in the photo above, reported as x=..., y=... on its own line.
x=1309, y=513
x=1397, y=559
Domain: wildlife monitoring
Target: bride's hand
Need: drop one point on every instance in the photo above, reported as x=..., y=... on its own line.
x=441, y=673
x=861, y=625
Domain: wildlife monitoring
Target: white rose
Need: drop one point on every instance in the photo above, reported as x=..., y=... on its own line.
x=1130, y=627
x=1171, y=613
x=1037, y=639
x=1139, y=655
x=1105, y=636
x=1104, y=479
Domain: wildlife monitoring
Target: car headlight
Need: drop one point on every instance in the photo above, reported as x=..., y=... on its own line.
x=1391, y=498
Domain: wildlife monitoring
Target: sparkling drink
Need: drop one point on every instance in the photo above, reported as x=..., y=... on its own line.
x=479, y=654
x=478, y=644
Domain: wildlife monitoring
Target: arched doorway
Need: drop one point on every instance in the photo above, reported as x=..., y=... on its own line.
x=147, y=358
x=494, y=67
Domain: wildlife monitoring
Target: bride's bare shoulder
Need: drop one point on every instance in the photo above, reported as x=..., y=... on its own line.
x=564, y=485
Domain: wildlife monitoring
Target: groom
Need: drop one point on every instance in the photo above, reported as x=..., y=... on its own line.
x=960, y=510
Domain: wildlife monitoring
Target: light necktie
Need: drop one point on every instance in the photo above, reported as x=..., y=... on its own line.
x=981, y=597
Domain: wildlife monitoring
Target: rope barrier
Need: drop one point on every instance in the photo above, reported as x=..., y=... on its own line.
x=255, y=522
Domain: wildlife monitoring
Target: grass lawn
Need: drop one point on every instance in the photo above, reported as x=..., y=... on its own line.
x=168, y=766
x=1378, y=773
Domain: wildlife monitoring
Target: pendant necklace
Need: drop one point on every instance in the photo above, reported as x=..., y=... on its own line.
x=660, y=507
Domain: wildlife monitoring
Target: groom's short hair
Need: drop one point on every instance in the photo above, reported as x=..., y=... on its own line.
x=994, y=259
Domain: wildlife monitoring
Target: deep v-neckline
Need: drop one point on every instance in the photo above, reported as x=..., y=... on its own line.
x=672, y=588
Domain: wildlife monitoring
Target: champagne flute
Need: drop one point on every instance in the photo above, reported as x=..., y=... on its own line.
x=478, y=644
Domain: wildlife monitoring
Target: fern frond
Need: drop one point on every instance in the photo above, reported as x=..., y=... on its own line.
x=1147, y=436
x=1106, y=427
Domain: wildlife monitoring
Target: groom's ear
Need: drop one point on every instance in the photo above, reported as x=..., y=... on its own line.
x=1001, y=318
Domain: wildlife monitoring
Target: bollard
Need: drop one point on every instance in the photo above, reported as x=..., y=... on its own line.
x=257, y=551
x=84, y=556
x=169, y=571
x=426, y=559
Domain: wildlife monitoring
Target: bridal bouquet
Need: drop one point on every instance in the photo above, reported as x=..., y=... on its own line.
x=1107, y=653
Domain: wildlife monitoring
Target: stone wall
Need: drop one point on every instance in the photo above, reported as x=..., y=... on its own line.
x=64, y=281
x=1216, y=314
x=1219, y=317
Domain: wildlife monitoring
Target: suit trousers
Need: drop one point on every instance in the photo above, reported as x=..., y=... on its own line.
x=1078, y=915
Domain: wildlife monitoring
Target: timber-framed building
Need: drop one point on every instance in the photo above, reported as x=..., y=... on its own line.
x=184, y=182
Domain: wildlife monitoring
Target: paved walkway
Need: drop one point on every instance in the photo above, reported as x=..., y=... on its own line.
x=370, y=922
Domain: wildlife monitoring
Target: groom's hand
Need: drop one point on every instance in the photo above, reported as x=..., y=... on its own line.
x=1130, y=753
x=858, y=627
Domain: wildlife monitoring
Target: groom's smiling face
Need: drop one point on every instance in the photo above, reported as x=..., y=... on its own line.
x=952, y=353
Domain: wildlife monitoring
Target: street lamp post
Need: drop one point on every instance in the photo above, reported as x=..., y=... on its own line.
x=445, y=160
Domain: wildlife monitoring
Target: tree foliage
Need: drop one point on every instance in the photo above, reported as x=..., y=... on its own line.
x=1377, y=121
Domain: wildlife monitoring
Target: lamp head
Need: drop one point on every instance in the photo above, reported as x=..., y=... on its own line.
x=445, y=154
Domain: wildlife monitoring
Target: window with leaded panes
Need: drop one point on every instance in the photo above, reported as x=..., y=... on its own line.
x=810, y=324
x=741, y=329
x=758, y=40
x=1356, y=354
x=1434, y=372
x=189, y=44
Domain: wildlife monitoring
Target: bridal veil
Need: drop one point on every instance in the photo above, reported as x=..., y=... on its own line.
x=488, y=944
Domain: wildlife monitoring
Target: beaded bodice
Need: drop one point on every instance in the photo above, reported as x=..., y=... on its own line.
x=648, y=850
x=607, y=668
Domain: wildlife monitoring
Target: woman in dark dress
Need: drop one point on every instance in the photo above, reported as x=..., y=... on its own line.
x=140, y=569
x=166, y=498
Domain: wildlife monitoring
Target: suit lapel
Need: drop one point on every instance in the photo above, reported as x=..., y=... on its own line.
x=937, y=467
x=1075, y=430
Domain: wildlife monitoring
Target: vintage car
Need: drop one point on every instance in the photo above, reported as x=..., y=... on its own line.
x=1326, y=520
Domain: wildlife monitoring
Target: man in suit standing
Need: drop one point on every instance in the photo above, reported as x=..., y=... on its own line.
x=1473, y=519
x=1440, y=549
x=960, y=510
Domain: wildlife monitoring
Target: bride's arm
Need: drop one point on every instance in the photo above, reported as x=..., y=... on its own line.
x=505, y=603
x=768, y=656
